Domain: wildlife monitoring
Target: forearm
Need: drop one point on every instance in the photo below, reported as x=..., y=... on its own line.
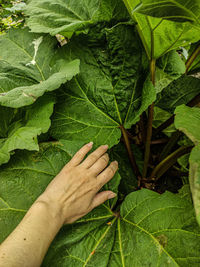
x=29, y=242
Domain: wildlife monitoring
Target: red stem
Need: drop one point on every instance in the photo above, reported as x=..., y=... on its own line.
x=149, y=124
x=130, y=153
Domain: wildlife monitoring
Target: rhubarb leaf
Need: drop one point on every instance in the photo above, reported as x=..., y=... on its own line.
x=25, y=69
x=158, y=35
x=107, y=95
x=178, y=10
x=68, y=17
x=22, y=134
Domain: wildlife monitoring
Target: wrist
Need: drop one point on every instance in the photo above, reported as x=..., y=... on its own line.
x=51, y=210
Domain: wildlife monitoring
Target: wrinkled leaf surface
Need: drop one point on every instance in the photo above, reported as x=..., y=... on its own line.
x=67, y=17
x=25, y=70
x=152, y=229
x=108, y=92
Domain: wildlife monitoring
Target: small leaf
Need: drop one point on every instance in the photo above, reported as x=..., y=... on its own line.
x=179, y=92
x=22, y=138
x=23, y=134
x=187, y=120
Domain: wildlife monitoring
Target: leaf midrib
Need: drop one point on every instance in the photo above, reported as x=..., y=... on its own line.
x=93, y=104
x=99, y=241
x=13, y=209
x=176, y=4
x=40, y=71
x=81, y=122
x=120, y=243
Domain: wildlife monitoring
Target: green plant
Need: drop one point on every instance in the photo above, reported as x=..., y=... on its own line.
x=99, y=87
x=11, y=14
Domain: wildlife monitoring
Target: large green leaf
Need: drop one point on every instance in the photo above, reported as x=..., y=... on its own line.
x=179, y=92
x=194, y=177
x=152, y=230
x=25, y=70
x=158, y=35
x=169, y=9
x=108, y=92
x=187, y=120
x=22, y=134
x=26, y=176
x=67, y=17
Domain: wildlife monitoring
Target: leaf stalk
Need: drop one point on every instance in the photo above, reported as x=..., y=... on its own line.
x=169, y=161
x=150, y=122
x=192, y=58
x=171, y=143
x=130, y=153
x=195, y=101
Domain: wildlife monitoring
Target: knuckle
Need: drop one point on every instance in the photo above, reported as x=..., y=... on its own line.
x=79, y=153
x=105, y=158
x=93, y=157
x=84, y=175
x=111, y=170
x=98, y=186
x=67, y=169
x=94, y=185
x=76, y=156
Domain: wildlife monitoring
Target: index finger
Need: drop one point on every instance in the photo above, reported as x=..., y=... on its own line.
x=94, y=156
x=80, y=154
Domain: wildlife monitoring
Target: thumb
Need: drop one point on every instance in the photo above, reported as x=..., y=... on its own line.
x=101, y=197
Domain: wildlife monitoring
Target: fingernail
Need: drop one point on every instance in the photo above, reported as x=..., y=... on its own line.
x=105, y=146
x=112, y=195
x=90, y=144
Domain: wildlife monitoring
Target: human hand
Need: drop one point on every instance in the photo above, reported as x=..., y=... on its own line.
x=74, y=191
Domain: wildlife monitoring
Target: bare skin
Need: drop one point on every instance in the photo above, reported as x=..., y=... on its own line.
x=71, y=194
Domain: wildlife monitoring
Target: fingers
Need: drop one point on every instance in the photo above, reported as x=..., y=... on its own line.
x=94, y=156
x=107, y=174
x=100, y=164
x=80, y=155
x=100, y=198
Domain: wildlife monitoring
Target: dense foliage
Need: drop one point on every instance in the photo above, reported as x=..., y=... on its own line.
x=11, y=14
x=97, y=86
